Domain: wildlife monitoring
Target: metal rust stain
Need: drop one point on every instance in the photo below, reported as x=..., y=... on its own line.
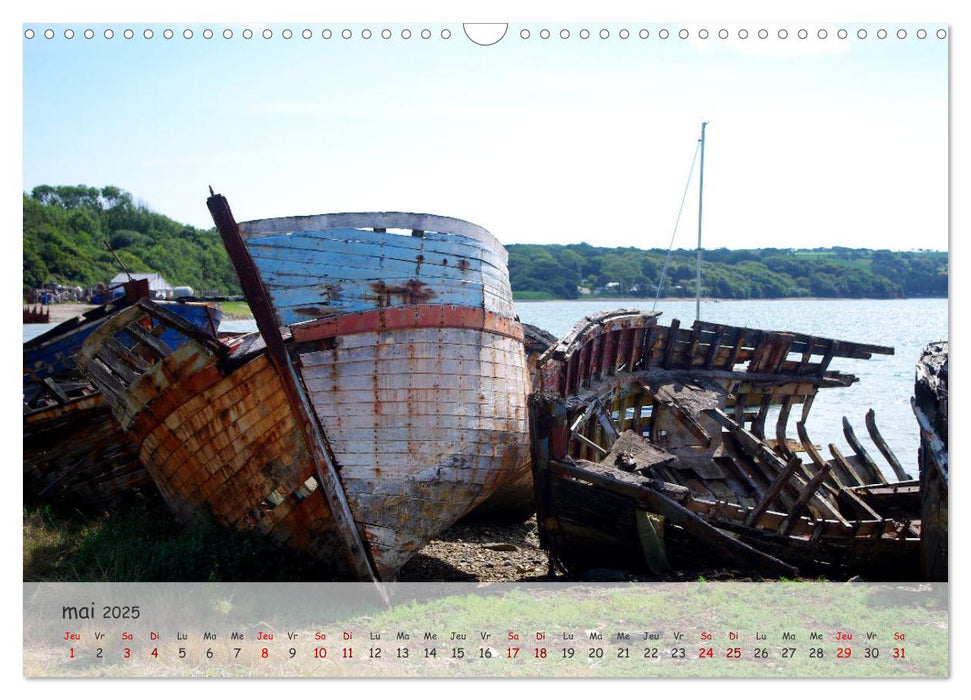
x=411, y=292
x=315, y=311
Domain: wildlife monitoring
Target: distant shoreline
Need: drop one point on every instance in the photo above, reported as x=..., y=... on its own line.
x=716, y=300
x=63, y=312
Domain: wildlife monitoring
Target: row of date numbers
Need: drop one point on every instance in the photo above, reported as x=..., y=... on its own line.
x=540, y=653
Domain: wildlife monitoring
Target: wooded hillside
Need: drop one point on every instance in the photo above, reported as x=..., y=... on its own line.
x=556, y=271
x=64, y=229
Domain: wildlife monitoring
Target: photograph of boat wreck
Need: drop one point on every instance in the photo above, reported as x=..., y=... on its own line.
x=555, y=303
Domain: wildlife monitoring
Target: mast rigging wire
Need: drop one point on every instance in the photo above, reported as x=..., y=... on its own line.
x=667, y=257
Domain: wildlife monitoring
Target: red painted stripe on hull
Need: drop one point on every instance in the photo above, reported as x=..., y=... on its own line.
x=408, y=317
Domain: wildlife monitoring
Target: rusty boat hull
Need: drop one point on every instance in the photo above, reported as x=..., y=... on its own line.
x=405, y=355
x=212, y=426
x=650, y=440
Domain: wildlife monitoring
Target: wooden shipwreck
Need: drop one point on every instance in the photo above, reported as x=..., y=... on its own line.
x=75, y=451
x=385, y=400
x=650, y=441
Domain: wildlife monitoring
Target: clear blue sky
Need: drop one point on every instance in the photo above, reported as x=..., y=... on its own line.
x=811, y=142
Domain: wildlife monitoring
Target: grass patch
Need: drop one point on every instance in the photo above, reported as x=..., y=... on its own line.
x=236, y=309
x=145, y=543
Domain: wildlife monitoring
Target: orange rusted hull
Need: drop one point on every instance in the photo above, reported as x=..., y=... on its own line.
x=216, y=434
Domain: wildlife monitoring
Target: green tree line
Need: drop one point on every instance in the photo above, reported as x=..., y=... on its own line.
x=64, y=230
x=559, y=271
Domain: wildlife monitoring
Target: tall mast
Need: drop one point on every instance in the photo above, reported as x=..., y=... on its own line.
x=701, y=189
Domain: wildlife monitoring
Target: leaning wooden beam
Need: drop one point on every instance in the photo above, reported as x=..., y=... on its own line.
x=803, y=500
x=937, y=447
x=848, y=498
x=607, y=423
x=871, y=426
x=54, y=389
x=590, y=443
x=876, y=475
x=806, y=405
x=735, y=550
x=148, y=340
x=683, y=416
x=773, y=491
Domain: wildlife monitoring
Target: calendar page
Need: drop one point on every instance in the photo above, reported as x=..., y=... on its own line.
x=536, y=349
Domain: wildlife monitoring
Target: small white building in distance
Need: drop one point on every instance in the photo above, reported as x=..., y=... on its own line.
x=157, y=285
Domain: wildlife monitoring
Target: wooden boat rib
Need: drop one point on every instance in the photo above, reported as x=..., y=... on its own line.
x=405, y=356
x=636, y=420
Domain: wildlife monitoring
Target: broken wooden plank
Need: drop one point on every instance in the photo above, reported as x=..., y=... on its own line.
x=116, y=365
x=781, y=441
x=713, y=349
x=761, y=451
x=758, y=425
x=55, y=390
x=819, y=462
x=858, y=474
